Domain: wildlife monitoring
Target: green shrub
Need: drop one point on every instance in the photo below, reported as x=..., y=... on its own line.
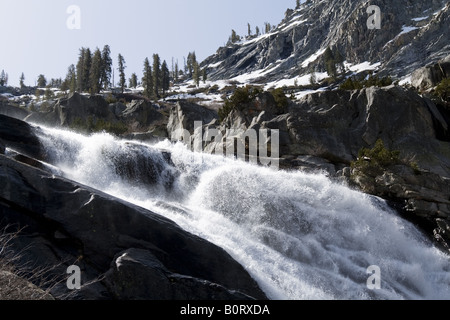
x=240, y=98
x=280, y=98
x=353, y=83
x=443, y=89
x=378, y=158
x=92, y=125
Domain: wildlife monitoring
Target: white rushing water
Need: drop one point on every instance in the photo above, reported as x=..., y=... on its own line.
x=301, y=236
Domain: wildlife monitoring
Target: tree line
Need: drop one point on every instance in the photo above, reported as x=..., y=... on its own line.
x=94, y=72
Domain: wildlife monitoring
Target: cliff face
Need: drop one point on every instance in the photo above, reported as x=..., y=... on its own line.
x=324, y=132
x=412, y=35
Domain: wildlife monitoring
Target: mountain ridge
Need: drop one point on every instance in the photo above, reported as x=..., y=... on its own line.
x=413, y=34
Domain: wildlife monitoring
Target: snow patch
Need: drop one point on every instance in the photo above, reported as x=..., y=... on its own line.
x=364, y=66
x=215, y=65
x=406, y=29
x=419, y=19
x=313, y=58
x=296, y=81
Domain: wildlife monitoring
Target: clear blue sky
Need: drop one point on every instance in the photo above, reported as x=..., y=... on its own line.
x=35, y=38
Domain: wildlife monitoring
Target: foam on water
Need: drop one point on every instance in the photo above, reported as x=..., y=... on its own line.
x=301, y=236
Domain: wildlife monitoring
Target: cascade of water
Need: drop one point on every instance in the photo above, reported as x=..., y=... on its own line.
x=301, y=236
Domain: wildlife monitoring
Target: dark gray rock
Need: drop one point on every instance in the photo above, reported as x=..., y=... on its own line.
x=138, y=274
x=90, y=229
x=19, y=136
x=184, y=115
x=430, y=76
x=140, y=115
x=12, y=111
x=342, y=24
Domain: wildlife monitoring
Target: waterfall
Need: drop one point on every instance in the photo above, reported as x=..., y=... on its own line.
x=301, y=236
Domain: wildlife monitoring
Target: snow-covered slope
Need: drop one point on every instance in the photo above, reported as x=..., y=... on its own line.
x=413, y=34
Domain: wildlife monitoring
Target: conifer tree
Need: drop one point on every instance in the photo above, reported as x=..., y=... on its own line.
x=72, y=78
x=257, y=31
x=156, y=75
x=133, y=83
x=106, y=69
x=204, y=75
x=95, y=73
x=147, y=80
x=176, y=75
x=87, y=69
x=84, y=69
x=191, y=60
x=330, y=63
x=196, y=74
x=41, y=82
x=3, y=78
x=22, y=80
x=165, y=77
x=121, y=69
x=234, y=37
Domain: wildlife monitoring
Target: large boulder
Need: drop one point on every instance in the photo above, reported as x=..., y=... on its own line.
x=66, y=223
x=184, y=115
x=430, y=76
x=19, y=136
x=135, y=273
x=12, y=111
x=74, y=109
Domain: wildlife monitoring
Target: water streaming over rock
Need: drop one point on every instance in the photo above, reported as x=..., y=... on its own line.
x=301, y=236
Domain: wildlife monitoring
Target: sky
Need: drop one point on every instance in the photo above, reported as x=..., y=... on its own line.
x=44, y=37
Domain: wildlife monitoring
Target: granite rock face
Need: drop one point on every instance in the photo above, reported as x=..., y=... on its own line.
x=413, y=34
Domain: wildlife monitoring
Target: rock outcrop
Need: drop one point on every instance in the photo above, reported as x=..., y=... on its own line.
x=83, y=112
x=113, y=242
x=413, y=34
x=324, y=132
x=14, y=112
x=430, y=76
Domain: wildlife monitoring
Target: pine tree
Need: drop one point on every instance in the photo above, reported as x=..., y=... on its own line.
x=133, y=81
x=156, y=75
x=176, y=73
x=339, y=60
x=41, y=82
x=234, y=37
x=191, y=60
x=165, y=77
x=249, y=30
x=106, y=68
x=80, y=64
x=95, y=73
x=87, y=69
x=257, y=31
x=204, y=75
x=22, y=80
x=297, y=5
x=330, y=63
x=121, y=69
x=147, y=80
x=196, y=74
x=3, y=78
x=84, y=69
